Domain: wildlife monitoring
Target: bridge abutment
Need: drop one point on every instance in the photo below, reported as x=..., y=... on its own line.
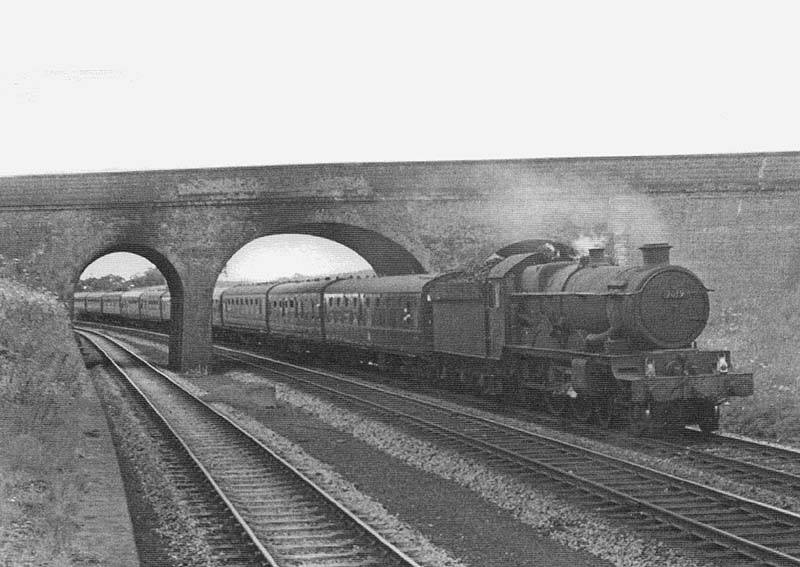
x=190, y=339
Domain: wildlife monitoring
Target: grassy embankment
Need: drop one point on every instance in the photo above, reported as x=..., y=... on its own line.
x=745, y=247
x=762, y=337
x=41, y=378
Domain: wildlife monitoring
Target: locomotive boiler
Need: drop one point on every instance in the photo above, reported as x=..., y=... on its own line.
x=655, y=305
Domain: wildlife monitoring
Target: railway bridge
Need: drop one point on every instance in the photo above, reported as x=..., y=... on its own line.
x=401, y=217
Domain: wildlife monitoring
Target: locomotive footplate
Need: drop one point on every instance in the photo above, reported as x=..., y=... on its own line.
x=714, y=387
x=652, y=376
x=685, y=374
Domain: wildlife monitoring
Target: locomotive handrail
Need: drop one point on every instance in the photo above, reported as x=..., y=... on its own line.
x=573, y=293
x=590, y=293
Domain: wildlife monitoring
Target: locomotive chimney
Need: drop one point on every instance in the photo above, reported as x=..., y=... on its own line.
x=655, y=254
x=597, y=256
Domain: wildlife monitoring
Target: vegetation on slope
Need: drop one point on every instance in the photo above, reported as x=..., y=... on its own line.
x=41, y=376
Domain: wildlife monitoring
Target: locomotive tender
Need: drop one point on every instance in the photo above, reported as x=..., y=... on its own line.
x=587, y=338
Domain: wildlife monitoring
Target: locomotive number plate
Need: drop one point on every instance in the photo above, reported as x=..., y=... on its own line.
x=675, y=293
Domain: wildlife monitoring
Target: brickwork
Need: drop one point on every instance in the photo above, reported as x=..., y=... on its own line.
x=402, y=218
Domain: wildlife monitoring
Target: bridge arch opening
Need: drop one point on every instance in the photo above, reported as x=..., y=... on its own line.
x=387, y=257
x=319, y=249
x=292, y=256
x=136, y=266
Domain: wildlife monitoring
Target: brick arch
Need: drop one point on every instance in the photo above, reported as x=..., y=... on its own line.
x=387, y=257
x=174, y=283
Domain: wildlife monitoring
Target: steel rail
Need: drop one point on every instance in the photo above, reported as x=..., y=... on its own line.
x=391, y=552
x=195, y=459
x=759, y=552
x=748, y=548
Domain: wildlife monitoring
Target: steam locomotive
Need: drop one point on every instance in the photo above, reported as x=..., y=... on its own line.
x=587, y=339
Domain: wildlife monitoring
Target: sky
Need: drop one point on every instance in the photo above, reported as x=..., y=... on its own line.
x=104, y=86
x=122, y=264
x=264, y=259
x=95, y=86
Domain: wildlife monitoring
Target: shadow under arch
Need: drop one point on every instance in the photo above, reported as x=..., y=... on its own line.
x=387, y=257
x=174, y=283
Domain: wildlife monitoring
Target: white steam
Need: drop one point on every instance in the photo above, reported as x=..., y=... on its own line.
x=589, y=211
x=586, y=242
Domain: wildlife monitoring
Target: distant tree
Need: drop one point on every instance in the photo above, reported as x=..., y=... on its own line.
x=150, y=277
x=110, y=282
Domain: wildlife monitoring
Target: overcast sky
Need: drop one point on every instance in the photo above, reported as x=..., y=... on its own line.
x=264, y=259
x=88, y=86
x=99, y=86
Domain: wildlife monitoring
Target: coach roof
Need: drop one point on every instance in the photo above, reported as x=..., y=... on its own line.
x=309, y=286
x=412, y=283
x=249, y=290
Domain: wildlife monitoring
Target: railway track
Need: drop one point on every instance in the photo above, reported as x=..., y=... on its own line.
x=273, y=515
x=738, y=460
x=767, y=455
x=721, y=527
x=749, y=463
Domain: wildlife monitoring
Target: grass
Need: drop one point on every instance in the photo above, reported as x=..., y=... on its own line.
x=41, y=374
x=761, y=337
x=745, y=248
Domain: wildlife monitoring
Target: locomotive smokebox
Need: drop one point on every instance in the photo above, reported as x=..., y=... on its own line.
x=655, y=254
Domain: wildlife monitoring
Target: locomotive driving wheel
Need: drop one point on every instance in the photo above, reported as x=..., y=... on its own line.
x=581, y=408
x=556, y=403
x=446, y=376
x=604, y=410
x=666, y=416
x=555, y=399
x=638, y=418
x=487, y=385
